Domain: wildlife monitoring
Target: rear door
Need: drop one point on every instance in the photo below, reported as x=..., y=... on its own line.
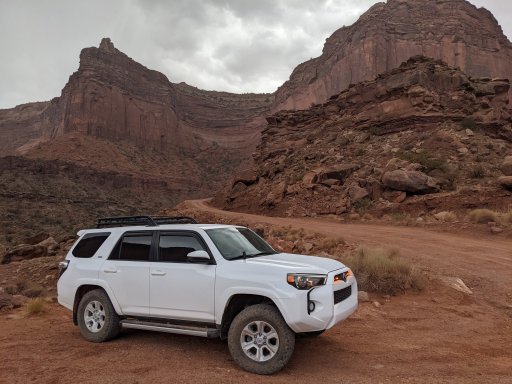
x=127, y=272
x=180, y=289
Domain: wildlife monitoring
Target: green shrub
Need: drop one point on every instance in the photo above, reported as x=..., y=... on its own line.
x=362, y=206
x=469, y=123
x=477, y=172
x=425, y=159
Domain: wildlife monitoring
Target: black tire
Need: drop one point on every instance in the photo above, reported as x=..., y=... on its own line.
x=309, y=335
x=286, y=339
x=111, y=325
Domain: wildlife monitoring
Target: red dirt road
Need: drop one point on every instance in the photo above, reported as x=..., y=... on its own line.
x=438, y=336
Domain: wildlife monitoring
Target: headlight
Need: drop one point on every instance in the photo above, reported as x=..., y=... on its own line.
x=343, y=276
x=305, y=281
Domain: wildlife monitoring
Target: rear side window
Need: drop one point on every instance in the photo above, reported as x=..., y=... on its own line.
x=89, y=244
x=175, y=248
x=133, y=247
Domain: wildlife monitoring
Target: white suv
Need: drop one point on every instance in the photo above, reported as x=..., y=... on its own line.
x=174, y=275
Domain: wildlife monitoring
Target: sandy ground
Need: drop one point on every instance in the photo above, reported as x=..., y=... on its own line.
x=438, y=336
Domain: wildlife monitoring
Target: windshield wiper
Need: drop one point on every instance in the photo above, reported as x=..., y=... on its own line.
x=245, y=256
x=262, y=254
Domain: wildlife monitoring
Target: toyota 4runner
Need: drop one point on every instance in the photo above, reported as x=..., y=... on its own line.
x=170, y=274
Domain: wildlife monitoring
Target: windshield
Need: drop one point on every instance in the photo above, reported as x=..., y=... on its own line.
x=237, y=243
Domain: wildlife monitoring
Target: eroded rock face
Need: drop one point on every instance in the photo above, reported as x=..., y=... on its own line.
x=388, y=34
x=112, y=96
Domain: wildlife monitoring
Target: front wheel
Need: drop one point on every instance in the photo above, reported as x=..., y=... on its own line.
x=260, y=341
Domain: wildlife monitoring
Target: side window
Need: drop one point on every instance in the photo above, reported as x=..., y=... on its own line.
x=89, y=244
x=175, y=248
x=133, y=247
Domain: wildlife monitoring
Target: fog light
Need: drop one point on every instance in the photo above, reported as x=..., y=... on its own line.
x=311, y=306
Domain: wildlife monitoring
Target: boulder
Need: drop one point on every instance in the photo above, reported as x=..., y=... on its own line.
x=6, y=302
x=24, y=252
x=50, y=244
x=246, y=176
x=409, y=181
x=237, y=189
x=505, y=182
x=506, y=166
x=340, y=173
x=456, y=283
x=309, y=178
x=357, y=193
x=36, y=239
x=363, y=296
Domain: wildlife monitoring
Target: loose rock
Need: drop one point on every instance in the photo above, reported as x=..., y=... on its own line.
x=409, y=181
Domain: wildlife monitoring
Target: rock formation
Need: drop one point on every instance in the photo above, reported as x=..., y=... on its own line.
x=422, y=128
x=388, y=34
x=117, y=117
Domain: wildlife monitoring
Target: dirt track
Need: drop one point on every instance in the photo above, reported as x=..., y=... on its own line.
x=439, y=336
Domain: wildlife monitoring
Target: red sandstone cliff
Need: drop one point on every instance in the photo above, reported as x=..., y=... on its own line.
x=388, y=34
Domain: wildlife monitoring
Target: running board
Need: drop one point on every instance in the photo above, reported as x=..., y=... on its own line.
x=171, y=328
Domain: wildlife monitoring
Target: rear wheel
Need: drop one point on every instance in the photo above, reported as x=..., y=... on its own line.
x=97, y=318
x=260, y=341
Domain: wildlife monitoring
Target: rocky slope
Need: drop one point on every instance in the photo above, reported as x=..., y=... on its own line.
x=388, y=34
x=424, y=137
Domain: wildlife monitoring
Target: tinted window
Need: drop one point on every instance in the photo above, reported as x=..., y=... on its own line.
x=175, y=248
x=89, y=244
x=134, y=248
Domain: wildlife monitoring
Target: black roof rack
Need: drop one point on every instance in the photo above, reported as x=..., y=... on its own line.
x=150, y=221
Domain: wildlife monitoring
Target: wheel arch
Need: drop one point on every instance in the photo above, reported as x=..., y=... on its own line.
x=236, y=304
x=87, y=287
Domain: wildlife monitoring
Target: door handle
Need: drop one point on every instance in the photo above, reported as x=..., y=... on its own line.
x=110, y=270
x=158, y=273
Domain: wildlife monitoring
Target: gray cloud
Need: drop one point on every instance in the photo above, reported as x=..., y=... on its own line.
x=231, y=45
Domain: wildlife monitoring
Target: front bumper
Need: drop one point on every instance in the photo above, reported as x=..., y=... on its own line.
x=326, y=313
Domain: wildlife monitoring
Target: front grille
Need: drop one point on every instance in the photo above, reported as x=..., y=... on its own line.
x=342, y=294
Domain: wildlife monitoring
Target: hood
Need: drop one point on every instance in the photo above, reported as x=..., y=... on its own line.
x=297, y=263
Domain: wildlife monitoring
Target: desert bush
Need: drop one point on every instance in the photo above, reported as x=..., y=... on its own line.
x=469, y=123
x=329, y=245
x=446, y=216
x=36, y=306
x=362, y=206
x=507, y=217
x=425, y=159
x=29, y=288
x=477, y=172
x=384, y=271
x=400, y=216
x=483, y=216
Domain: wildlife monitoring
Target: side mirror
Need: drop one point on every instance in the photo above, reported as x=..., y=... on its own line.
x=198, y=256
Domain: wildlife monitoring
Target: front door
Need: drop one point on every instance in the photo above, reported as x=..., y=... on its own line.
x=180, y=289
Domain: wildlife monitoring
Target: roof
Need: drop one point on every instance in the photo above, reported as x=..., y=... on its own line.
x=163, y=227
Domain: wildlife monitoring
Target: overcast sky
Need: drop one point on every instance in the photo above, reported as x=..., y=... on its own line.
x=228, y=45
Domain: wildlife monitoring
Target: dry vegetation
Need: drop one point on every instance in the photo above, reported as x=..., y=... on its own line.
x=36, y=306
x=484, y=216
x=384, y=271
